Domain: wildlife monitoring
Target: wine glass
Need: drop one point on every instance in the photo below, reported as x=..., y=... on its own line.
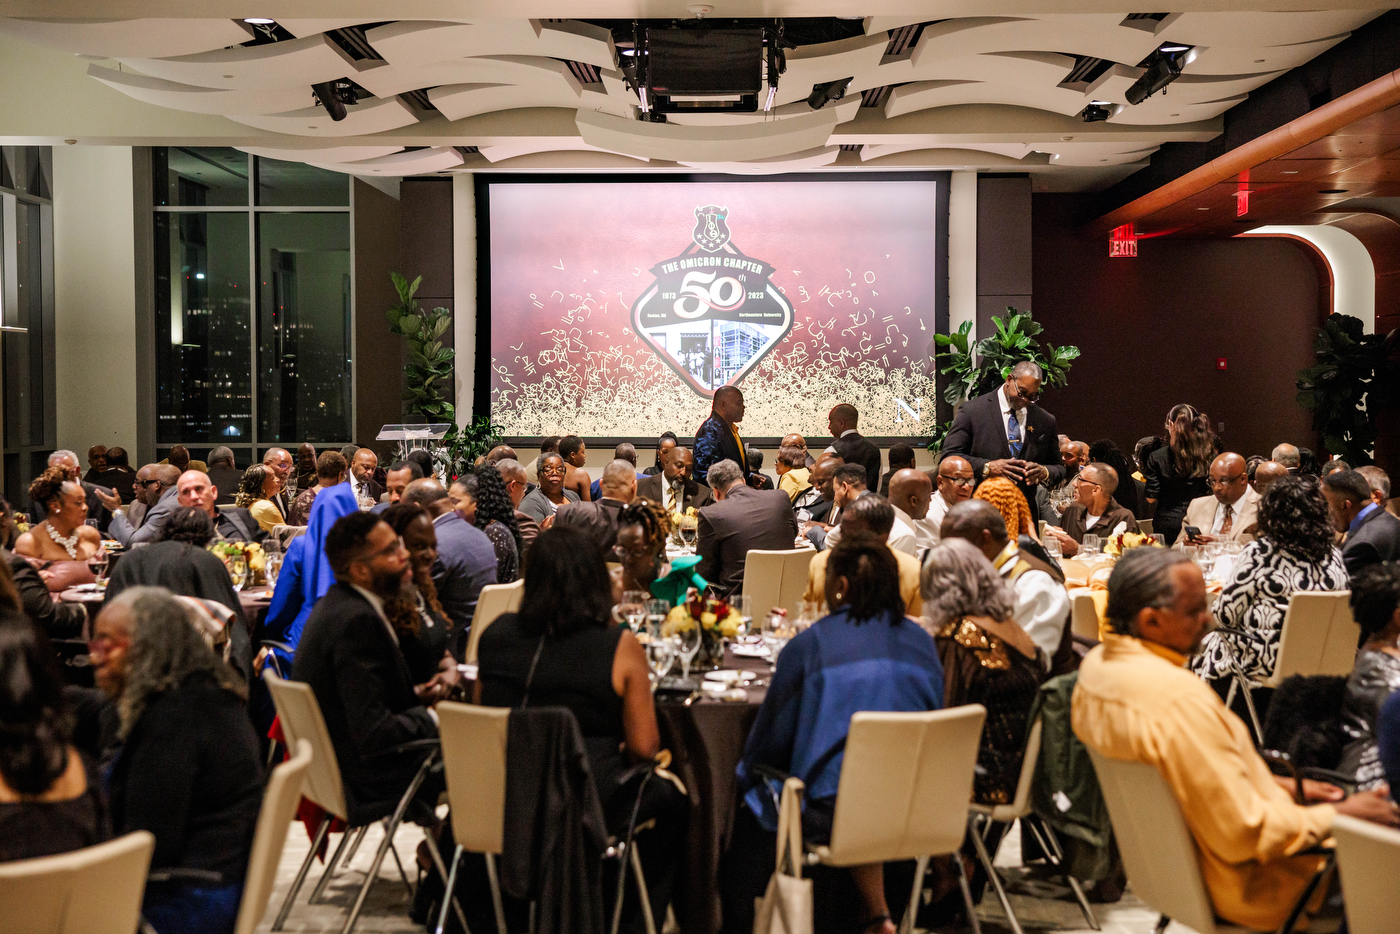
x=656, y=611
x=688, y=537
x=634, y=608
x=1090, y=545
x=97, y=564
x=690, y=640
x=237, y=570
x=1052, y=547
x=661, y=654
x=744, y=604
x=272, y=567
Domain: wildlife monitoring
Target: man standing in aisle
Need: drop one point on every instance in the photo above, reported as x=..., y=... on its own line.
x=851, y=445
x=718, y=438
x=1003, y=433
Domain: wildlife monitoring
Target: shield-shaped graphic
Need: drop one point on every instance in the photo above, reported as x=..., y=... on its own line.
x=711, y=232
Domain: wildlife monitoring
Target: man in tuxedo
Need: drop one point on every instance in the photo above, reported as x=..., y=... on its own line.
x=466, y=558
x=850, y=445
x=819, y=498
x=1230, y=513
x=225, y=474
x=718, y=438
x=739, y=520
x=674, y=489
x=349, y=656
x=598, y=519
x=362, y=476
x=1094, y=510
x=1372, y=534
x=101, y=501
x=194, y=488
x=1003, y=433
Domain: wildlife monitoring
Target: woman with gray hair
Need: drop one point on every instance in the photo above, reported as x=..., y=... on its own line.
x=189, y=770
x=987, y=658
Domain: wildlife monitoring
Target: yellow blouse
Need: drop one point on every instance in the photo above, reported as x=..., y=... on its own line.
x=1135, y=701
x=267, y=514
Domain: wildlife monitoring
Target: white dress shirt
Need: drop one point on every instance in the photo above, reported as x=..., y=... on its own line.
x=1042, y=604
x=937, y=509
x=1005, y=405
x=912, y=536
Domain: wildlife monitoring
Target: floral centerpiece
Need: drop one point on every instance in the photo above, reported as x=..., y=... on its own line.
x=1117, y=544
x=250, y=552
x=716, y=620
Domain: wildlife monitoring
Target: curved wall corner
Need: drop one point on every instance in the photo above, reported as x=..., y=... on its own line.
x=1353, y=272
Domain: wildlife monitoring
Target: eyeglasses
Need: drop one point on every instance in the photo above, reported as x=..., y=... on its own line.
x=390, y=549
x=550, y=471
x=1225, y=481
x=1080, y=479
x=643, y=551
x=957, y=481
x=1028, y=396
x=149, y=483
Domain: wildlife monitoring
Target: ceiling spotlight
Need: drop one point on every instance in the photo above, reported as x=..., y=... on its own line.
x=828, y=91
x=259, y=20
x=1096, y=111
x=1163, y=67
x=334, y=96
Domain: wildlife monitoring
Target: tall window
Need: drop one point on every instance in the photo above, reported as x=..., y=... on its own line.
x=26, y=296
x=252, y=302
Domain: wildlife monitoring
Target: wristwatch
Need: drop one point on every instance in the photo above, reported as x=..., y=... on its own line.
x=986, y=470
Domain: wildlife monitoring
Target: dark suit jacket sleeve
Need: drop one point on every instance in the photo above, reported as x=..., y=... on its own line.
x=707, y=450
x=362, y=688
x=1358, y=554
x=959, y=438
x=707, y=547
x=59, y=620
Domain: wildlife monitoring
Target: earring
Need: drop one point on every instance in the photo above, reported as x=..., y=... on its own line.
x=840, y=596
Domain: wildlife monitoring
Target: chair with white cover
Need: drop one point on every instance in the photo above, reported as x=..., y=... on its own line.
x=95, y=890
x=300, y=717
x=905, y=782
x=1020, y=809
x=279, y=806
x=1158, y=851
x=1318, y=637
x=496, y=600
x=1367, y=855
x=776, y=578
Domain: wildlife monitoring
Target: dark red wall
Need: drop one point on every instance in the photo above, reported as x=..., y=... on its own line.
x=1151, y=327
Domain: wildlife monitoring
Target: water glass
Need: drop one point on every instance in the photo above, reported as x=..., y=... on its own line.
x=744, y=604
x=237, y=570
x=1052, y=547
x=661, y=654
x=1159, y=539
x=634, y=608
x=690, y=640
x=272, y=567
x=1090, y=545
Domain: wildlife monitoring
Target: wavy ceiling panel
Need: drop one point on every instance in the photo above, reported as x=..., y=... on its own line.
x=706, y=144
x=366, y=117
x=796, y=162
x=418, y=42
x=414, y=162
x=200, y=100
x=302, y=62
x=383, y=79
x=130, y=37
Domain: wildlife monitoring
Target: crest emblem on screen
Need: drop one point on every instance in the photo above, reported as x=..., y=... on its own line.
x=712, y=312
x=711, y=232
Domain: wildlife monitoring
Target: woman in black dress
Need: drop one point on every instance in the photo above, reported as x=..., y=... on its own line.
x=50, y=799
x=1176, y=472
x=416, y=614
x=1375, y=603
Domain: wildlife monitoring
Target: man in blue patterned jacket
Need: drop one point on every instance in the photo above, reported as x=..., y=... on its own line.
x=718, y=438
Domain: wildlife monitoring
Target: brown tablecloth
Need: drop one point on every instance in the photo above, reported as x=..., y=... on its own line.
x=706, y=741
x=255, y=601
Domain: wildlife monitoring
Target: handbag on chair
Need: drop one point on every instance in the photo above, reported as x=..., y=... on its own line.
x=786, y=905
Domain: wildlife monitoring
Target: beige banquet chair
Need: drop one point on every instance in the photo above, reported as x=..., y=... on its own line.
x=1367, y=856
x=905, y=782
x=1318, y=637
x=1158, y=852
x=1084, y=616
x=1020, y=809
x=776, y=578
x=300, y=717
x=95, y=890
x=495, y=600
x=279, y=806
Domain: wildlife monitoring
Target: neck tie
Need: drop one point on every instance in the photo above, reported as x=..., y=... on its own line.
x=1013, y=435
x=677, y=497
x=1229, y=519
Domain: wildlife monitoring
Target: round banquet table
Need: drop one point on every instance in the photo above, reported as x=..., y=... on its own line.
x=706, y=740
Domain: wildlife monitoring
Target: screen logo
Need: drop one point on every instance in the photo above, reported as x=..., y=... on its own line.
x=712, y=312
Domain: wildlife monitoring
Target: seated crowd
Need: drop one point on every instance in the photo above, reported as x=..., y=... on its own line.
x=937, y=588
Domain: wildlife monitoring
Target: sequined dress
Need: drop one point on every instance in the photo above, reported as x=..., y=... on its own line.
x=980, y=668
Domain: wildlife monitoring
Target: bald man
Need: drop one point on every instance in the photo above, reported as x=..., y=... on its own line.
x=279, y=461
x=1265, y=475
x=161, y=499
x=850, y=445
x=1287, y=455
x=911, y=492
x=1230, y=513
x=795, y=440
x=598, y=520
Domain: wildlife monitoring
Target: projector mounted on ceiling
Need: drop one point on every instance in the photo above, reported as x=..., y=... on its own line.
x=693, y=67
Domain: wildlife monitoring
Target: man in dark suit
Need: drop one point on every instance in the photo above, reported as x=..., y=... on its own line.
x=718, y=439
x=674, y=479
x=349, y=656
x=850, y=445
x=225, y=474
x=466, y=558
x=817, y=500
x=194, y=488
x=1372, y=534
x=1005, y=434
x=362, y=469
x=740, y=520
x=598, y=519
x=513, y=475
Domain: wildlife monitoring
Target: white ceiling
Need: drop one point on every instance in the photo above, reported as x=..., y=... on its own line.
x=976, y=92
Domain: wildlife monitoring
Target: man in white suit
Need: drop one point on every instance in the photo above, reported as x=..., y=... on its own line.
x=1230, y=513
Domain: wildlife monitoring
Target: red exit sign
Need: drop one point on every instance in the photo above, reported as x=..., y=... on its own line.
x=1122, y=242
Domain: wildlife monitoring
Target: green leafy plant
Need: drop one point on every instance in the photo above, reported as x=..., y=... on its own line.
x=428, y=376
x=1350, y=381
x=974, y=369
x=462, y=446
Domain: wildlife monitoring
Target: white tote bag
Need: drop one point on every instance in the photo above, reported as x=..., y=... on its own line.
x=786, y=906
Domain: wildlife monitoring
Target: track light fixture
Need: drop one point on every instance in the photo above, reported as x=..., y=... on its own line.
x=828, y=91
x=334, y=96
x=1096, y=112
x=1163, y=67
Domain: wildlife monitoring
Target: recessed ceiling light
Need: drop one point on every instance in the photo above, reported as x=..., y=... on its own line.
x=1173, y=47
x=1102, y=103
x=259, y=20
x=1174, y=115
x=228, y=76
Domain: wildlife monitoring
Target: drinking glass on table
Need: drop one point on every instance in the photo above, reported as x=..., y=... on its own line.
x=661, y=654
x=97, y=564
x=744, y=604
x=237, y=570
x=1159, y=539
x=690, y=640
x=633, y=608
x=656, y=615
x=1052, y=547
x=1090, y=546
x=688, y=533
x=272, y=567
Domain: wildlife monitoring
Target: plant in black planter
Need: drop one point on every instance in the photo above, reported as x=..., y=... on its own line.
x=462, y=446
x=1351, y=381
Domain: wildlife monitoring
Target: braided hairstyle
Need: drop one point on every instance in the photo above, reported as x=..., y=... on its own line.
x=492, y=501
x=250, y=487
x=650, y=516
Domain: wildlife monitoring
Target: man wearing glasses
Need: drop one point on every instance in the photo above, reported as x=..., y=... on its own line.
x=156, y=494
x=1230, y=513
x=1094, y=510
x=955, y=483
x=1003, y=433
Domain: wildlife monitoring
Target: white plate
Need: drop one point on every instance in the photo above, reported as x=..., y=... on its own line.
x=725, y=676
x=750, y=651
